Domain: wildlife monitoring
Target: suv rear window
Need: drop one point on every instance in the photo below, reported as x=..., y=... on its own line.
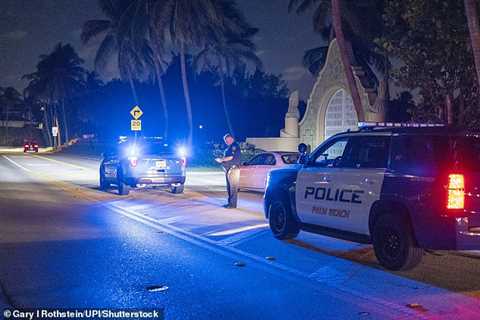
x=427, y=155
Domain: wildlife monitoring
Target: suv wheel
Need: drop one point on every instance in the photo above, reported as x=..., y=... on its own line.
x=104, y=185
x=281, y=221
x=177, y=188
x=394, y=244
x=123, y=188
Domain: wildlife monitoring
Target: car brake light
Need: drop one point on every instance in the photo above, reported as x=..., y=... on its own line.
x=456, y=191
x=26, y=146
x=133, y=162
x=183, y=162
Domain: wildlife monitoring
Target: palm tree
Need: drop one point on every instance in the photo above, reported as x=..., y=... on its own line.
x=224, y=56
x=9, y=98
x=153, y=51
x=354, y=24
x=59, y=76
x=118, y=39
x=472, y=17
x=190, y=25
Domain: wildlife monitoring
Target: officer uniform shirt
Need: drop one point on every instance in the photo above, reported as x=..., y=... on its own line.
x=234, y=151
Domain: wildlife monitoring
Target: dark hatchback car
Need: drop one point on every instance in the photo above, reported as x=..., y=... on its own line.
x=143, y=161
x=30, y=146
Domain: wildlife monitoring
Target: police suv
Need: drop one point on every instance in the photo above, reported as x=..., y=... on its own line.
x=403, y=188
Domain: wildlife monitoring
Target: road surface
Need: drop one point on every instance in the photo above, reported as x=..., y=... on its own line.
x=65, y=244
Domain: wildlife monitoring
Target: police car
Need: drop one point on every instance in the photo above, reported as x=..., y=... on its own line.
x=143, y=161
x=403, y=188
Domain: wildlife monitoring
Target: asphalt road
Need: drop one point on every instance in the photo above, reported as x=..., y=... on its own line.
x=64, y=244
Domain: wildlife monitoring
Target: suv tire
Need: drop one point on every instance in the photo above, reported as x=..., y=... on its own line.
x=394, y=243
x=123, y=188
x=177, y=189
x=282, y=222
x=103, y=185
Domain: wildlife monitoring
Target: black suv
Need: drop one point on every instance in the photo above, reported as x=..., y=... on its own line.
x=143, y=161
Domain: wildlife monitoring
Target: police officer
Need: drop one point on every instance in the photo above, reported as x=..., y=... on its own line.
x=231, y=162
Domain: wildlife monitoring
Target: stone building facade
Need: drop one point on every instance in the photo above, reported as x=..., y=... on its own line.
x=330, y=108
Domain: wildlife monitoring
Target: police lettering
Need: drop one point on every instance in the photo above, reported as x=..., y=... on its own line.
x=328, y=194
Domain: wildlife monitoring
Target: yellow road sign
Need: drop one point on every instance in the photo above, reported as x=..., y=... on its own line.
x=136, y=125
x=136, y=112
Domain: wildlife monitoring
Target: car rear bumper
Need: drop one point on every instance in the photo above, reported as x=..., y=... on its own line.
x=468, y=233
x=450, y=234
x=159, y=180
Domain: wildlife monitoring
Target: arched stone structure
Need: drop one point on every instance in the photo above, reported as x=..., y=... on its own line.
x=331, y=80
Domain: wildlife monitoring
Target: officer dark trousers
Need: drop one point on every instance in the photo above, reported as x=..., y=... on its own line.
x=233, y=180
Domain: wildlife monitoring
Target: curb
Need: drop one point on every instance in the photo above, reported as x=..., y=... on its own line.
x=3, y=302
x=468, y=254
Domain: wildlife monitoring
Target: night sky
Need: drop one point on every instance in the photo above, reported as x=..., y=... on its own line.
x=31, y=28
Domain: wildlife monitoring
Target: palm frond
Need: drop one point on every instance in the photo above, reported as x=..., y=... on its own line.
x=314, y=59
x=93, y=28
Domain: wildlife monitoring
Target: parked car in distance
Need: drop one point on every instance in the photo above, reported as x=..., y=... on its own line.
x=253, y=173
x=30, y=146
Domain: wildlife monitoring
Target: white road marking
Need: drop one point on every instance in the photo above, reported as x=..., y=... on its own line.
x=238, y=230
x=242, y=237
x=381, y=306
x=171, y=220
x=17, y=164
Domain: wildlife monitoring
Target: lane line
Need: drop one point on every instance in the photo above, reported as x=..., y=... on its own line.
x=376, y=304
x=17, y=164
x=242, y=237
x=237, y=230
x=62, y=162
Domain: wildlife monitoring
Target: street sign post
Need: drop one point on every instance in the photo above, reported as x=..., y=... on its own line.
x=55, y=131
x=136, y=125
x=136, y=112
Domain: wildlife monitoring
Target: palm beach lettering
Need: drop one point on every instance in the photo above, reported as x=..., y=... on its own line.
x=328, y=194
x=341, y=213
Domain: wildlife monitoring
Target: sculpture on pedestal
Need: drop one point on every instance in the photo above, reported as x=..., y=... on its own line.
x=292, y=117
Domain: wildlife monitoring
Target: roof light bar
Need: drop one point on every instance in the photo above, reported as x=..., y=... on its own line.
x=364, y=125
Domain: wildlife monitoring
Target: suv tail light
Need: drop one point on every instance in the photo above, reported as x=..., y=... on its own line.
x=133, y=162
x=456, y=191
x=183, y=162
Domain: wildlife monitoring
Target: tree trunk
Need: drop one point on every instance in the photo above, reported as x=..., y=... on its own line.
x=222, y=72
x=65, y=124
x=186, y=94
x=133, y=88
x=163, y=99
x=7, y=118
x=47, y=127
x=449, y=109
x=473, y=26
x=345, y=55
x=225, y=107
x=59, y=132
